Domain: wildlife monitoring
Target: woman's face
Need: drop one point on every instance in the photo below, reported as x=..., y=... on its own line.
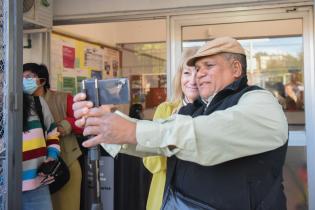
x=30, y=74
x=188, y=83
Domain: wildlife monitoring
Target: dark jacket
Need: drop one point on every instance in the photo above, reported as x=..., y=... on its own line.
x=252, y=182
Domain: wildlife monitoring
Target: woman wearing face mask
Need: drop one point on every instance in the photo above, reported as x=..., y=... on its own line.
x=60, y=105
x=40, y=144
x=185, y=91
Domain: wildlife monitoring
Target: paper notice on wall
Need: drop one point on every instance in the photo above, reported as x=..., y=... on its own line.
x=93, y=58
x=83, y=73
x=69, y=85
x=68, y=56
x=72, y=59
x=111, y=63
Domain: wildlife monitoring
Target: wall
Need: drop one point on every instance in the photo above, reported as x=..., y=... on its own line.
x=73, y=60
x=35, y=52
x=102, y=33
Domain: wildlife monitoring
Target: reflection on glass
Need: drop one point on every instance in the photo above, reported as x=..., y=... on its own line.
x=294, y=91
x=276, y=64
x=295, y=178
x=145, y=65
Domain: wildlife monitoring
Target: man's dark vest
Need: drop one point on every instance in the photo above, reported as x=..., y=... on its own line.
x=248, y=183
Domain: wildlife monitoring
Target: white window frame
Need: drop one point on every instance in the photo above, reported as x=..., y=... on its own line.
x=296, y=138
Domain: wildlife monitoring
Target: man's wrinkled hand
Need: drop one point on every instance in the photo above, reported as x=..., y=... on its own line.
x=83, y=109
x=102, y=124
x=110, y=128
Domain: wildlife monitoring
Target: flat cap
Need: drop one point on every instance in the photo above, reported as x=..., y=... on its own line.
x=216, y=46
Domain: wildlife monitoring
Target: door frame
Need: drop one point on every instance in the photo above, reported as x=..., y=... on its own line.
x=13, y=101
x=296, y=138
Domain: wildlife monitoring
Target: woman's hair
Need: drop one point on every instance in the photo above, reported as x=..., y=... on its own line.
x=27, y=107
x=178, y=93
x=40, y=70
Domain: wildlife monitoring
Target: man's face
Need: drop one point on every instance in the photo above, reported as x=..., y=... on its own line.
x=214, y=73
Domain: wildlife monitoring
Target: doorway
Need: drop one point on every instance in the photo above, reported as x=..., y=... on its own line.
x=278, y=44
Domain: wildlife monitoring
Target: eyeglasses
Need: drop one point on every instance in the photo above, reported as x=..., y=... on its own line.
x=41, y=80
x=29, y=75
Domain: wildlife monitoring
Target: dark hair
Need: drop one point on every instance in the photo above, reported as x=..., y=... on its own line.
x=40, y=70
x=239, y=57
x=135, y=110
x=27, y=107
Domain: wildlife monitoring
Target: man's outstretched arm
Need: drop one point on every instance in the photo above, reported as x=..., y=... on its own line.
x=256, y=124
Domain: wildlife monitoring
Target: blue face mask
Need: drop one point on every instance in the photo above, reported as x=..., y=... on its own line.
x=29, y=85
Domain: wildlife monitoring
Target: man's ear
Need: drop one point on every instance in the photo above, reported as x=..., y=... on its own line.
x=237, y=69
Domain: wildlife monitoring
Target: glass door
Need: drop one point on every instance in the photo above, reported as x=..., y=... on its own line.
x=278, y=44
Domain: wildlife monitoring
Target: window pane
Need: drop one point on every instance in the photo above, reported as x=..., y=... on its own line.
x=145, y=65
x=276, y=64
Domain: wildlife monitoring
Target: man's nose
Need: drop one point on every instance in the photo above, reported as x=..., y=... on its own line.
x=201, y=73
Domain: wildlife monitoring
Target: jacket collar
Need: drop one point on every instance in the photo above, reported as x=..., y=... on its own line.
x=235, y=86
x=231, y=88
x=238, y=84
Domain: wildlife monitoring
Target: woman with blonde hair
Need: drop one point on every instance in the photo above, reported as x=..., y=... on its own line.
x=185, y=91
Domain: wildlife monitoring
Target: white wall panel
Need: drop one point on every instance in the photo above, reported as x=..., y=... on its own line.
x=35, y=53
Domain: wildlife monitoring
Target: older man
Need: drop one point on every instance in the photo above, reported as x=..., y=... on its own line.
x=227, y=150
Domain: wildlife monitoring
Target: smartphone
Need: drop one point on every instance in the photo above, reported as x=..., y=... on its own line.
x=108, y=91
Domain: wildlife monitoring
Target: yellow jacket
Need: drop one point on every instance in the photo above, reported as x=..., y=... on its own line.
x=157, y=164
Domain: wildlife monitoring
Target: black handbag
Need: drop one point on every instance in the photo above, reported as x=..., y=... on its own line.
x=57, y=168
x=61, y=175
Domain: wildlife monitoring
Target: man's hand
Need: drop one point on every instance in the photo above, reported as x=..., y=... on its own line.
x=81, y=109
x=102, y=124
x=109, y=129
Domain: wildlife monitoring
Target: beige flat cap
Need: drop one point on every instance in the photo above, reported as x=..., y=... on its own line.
x=216, y=46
